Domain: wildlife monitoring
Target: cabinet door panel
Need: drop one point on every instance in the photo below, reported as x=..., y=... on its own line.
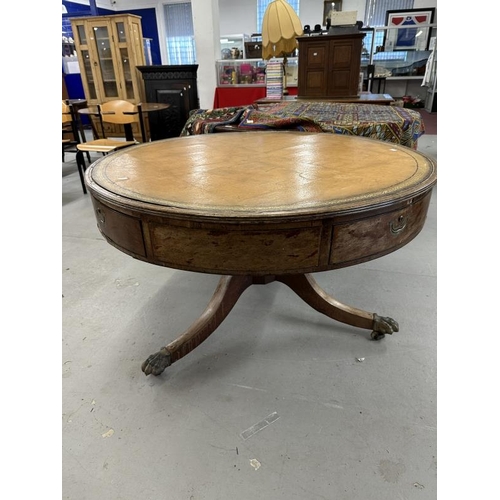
x=345, y=65
x=315, y=82
x=127, y=74
x=104, y=58
x=341, y=55
x=88, y=78
x=313, y=74
x=127, y=35
x=340, y=81
x=317, y=55
x=85, y=62
x=169, y=123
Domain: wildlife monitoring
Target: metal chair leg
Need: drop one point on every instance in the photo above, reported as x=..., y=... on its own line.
x=80, y=162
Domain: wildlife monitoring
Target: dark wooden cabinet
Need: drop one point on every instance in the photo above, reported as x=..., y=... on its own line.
x=329, y=65
x=174, y=85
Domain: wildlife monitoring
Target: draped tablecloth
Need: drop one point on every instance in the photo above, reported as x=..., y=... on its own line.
x=387, y=123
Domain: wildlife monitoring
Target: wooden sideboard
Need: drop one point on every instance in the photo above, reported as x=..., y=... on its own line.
x=329, y=65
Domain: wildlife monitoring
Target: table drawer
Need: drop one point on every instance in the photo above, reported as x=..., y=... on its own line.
x=123, y=231
x=378, y=235
x=236, y=251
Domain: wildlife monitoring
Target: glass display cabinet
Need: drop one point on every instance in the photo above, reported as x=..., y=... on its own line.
x=395, y=58
x=109, y=48
x=251, y=72
x=241, y=72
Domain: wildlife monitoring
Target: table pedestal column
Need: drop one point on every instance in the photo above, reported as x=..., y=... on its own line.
x=227, y=294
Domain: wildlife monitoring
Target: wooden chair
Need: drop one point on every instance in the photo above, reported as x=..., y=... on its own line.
x=68, y=136
x=71, y=136
x=117, y=112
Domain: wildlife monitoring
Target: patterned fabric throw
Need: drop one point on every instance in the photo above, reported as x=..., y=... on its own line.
x=204, y=121
x=387, y=123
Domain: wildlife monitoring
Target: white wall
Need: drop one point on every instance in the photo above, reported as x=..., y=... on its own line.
x=207, y=40
x=240, y=16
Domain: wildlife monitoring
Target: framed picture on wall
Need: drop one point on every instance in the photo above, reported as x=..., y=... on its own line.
x=409, y=31
x=329, y=6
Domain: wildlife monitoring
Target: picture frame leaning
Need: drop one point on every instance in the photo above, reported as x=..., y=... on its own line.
x=408, y=29
x=329, y=6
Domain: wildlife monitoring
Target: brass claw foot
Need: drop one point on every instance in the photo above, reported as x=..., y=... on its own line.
x=157, y=362
x=383, y=325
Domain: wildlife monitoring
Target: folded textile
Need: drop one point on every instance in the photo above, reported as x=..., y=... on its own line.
x=387, y=123
x=204, y=121
x=254, y=119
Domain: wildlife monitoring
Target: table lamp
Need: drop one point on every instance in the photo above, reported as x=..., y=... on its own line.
x=280, y=27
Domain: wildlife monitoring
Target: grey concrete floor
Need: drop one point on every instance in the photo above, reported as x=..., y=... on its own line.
x=341, y=417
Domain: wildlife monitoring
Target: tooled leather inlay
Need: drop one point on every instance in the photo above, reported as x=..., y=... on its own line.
x=264, y=173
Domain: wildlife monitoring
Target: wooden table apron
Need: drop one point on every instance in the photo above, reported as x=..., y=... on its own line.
x=261, y=207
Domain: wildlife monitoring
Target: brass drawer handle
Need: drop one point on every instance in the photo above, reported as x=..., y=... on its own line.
x=100, y=216
x=401, y=225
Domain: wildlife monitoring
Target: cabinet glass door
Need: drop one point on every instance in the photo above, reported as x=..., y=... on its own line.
x=84, y=57
x=82, y=36
x=87, y=69
x=104, y=51
x=121, y=36
x=120, y=32
x=127, y=73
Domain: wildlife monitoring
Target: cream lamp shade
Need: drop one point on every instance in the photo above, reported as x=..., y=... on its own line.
x=280, y=27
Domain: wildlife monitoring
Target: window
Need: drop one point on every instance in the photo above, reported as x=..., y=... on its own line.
x=375, y=10
x=262, y=6
x=179, y=33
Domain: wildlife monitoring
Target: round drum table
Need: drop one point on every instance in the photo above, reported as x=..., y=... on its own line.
x=258, y=207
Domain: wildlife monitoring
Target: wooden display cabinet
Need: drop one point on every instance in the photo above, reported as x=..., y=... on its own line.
x=329, y=65
x=109, y=49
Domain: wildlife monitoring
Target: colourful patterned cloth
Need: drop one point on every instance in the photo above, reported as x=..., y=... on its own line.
x=387, y=123
x=204, y=121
